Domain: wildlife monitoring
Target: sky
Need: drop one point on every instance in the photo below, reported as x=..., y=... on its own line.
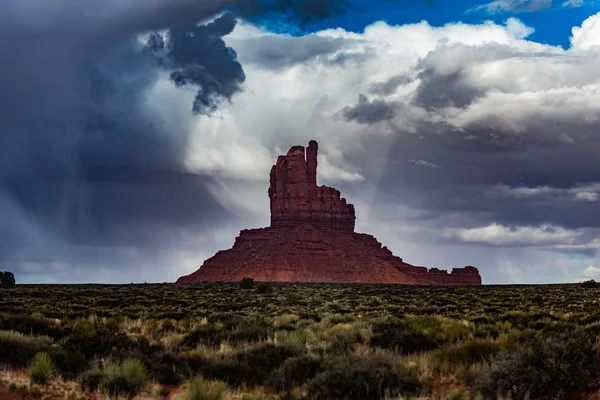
x=136, y=136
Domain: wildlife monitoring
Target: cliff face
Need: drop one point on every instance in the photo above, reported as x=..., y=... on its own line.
x=311, y=239
x=296, y=198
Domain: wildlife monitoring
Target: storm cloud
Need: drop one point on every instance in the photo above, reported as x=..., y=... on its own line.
x=96, y=110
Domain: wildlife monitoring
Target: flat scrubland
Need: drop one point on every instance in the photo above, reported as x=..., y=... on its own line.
x=222, y=341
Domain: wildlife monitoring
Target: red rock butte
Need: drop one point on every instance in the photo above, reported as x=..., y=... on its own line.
x=312, y=239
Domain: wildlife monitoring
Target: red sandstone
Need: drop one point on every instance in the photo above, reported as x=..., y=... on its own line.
x=312, y=239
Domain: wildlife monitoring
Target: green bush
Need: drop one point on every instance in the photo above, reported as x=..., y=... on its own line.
x=128, y=378
x=199, y=389
x=468, y=352
x=590, y=284
x=247, y=283
x=31, y=325
x=398, y=335
x=17, y=350
x=247, y=367
x=35, y=391
x=294, y=372
x=90, y=380
x=41, y=369
x=7, y=280
x=264, y=288
x=166, y=368
x=68, y=364
x=548, y=368
x=362, y=378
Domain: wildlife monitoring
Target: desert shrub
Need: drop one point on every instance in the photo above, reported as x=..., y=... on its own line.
x=92, y=340
x=468, y=352
x=397, y=335
x=31, y=325
x=17, y=349
x=482, y=319
x=286, y=322
x=487, y=332
x=128, y=378
x=206, y=334
x=247, y=283
x=362, y=378
x=294, y=372
x=443, y=330
x=247, y=367
x=68, y=364
x=35, y=391
x=166, y=368
x=200, y=389
x=342, y=337
x=537, y=299
x=41, y=369
x=264, y=288
x=550, y=367
x=7, y=280
x=590, y=284
x=260, y=361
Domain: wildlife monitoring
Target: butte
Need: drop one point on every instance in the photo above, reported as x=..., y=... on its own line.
x=312, y=239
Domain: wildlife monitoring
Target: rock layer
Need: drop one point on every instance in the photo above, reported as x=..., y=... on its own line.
x=311, y=239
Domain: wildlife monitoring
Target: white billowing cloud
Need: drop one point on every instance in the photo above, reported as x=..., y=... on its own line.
x=498, y=235
x=294, y=104
x=592, y=272
x=588, y=34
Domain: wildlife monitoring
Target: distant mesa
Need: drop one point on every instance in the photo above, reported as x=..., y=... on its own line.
x=312, y=239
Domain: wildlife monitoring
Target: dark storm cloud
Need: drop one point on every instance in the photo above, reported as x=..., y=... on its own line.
x=370, y=112
x=200, y=58
x=85, y=160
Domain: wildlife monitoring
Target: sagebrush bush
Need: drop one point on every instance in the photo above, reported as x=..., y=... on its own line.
x=35, y=391
x=294, y=372
x=264, y=288
x=17, y=349
x=200, y=389
x=247, y=283
x=550, y=367
x=398, y=335
x=68, y=364
x=370, y=377
x=128, y=378
x=32, y=325
x=41, y=369
x=468, y=352
x=590, y=284
x=245, y=367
